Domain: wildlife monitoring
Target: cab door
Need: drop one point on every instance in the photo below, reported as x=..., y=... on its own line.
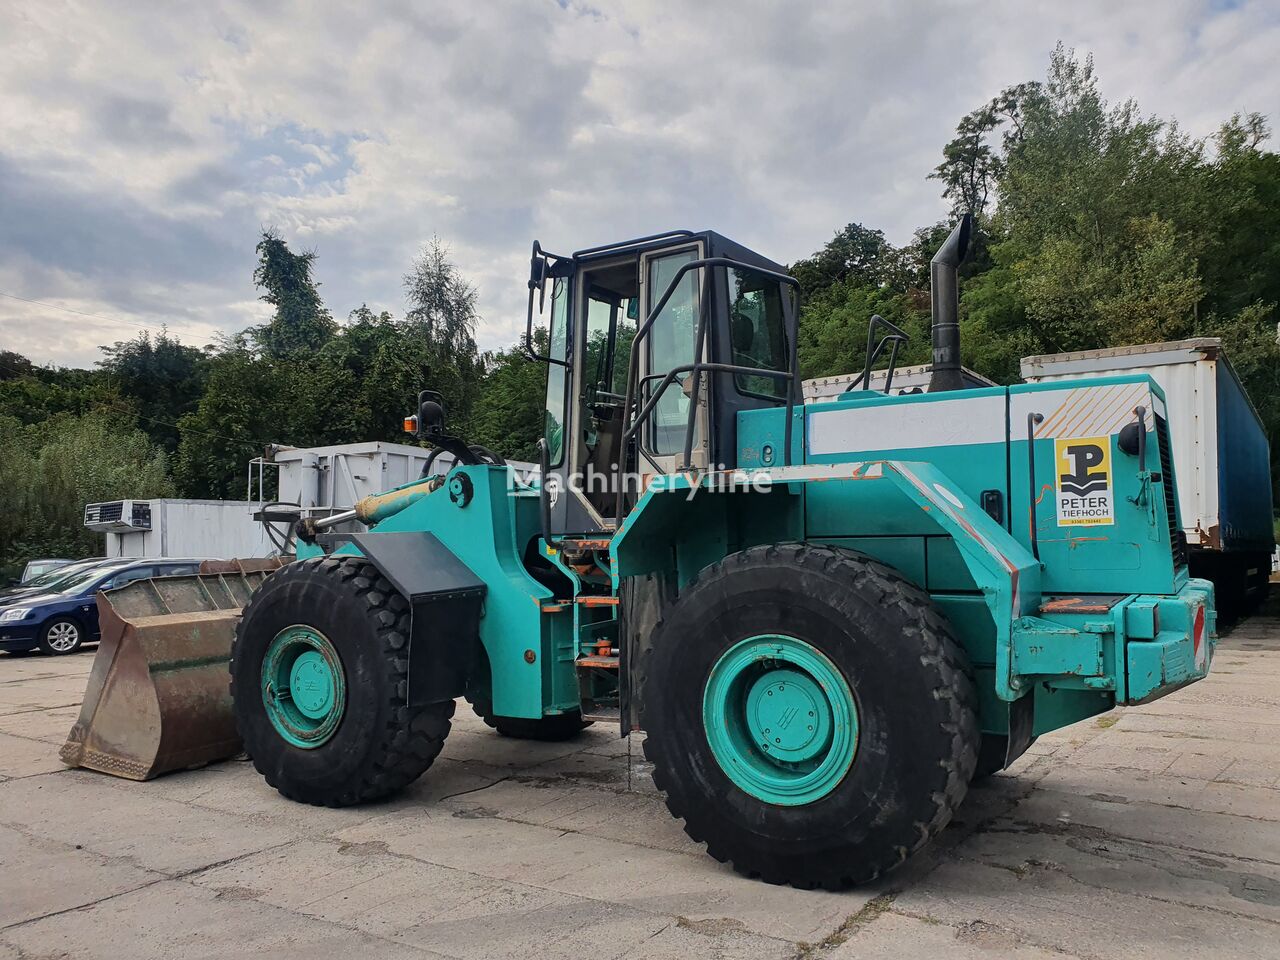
x=672, y=342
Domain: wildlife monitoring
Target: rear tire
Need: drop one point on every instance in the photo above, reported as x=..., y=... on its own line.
x=61, y=636
x=873, y=642
x=373, y=744
x=554, y=729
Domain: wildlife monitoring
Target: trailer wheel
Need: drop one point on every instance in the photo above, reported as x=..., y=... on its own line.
x=809, y=715
x=319, y=673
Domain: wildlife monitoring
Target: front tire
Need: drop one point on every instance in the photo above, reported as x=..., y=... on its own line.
x=319, y=675
x=61, y=636
x=809, y=715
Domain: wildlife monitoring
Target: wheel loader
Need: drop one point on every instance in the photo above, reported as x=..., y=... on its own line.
x=828, y=619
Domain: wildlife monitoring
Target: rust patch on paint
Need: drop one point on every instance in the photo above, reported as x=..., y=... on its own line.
x=1096, y=604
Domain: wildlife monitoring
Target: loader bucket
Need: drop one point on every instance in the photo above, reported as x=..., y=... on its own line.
x=158, y=697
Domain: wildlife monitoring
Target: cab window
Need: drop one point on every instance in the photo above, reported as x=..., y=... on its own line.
x=671, y=344
x=757, y=332
x=557, y=346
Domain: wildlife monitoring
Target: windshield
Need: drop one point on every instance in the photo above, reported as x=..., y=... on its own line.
x=82, y=578
x=52, y=578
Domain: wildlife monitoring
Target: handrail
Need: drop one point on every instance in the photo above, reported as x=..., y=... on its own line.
x=897, y=335
x=1033, y=419
x=544, y=495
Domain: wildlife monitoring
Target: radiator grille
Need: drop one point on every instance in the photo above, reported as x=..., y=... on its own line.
x=1177, y=538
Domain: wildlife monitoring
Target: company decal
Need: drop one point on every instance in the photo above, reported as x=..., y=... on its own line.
x=1086, y=493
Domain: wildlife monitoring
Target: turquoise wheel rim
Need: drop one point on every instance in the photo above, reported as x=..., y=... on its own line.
x=780, y=720
x=304, y=687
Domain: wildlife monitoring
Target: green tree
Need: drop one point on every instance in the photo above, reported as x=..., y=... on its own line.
x=162, y=376
x=855, y=253
x=442, y=311
x=301, y=323
x=53, y=469
x=245, y=406
x=508, y=414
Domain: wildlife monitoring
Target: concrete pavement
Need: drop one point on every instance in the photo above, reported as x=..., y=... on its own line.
x=1150, y=832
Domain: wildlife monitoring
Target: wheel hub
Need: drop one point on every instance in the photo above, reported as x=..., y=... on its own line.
x=311, y=683
x=303, y=686
x=789, y=715
x=780, y=719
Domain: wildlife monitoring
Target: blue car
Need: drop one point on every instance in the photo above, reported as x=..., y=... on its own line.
x=63, y=618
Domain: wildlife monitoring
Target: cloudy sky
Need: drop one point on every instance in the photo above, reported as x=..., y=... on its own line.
x=143, y=145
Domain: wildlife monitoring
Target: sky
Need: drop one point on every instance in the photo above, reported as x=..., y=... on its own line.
x=144, y=145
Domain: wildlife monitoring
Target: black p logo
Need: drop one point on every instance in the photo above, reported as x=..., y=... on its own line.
x=1083, y=479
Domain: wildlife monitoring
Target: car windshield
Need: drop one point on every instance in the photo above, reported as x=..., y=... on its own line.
x=82, y=578
x=53, y=577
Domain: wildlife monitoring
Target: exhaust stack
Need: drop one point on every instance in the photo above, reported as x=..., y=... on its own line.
x=944, y=292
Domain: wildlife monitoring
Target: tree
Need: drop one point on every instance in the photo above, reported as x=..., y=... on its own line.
x=163, y=377
x=508, y=414
x=245, y=406
x=53, y=469
x=365, y=380
x=855, y=253
x=14, y=365
x=301, y=323
x=442, y=310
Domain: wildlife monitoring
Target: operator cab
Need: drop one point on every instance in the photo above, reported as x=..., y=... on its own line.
x=711, y=326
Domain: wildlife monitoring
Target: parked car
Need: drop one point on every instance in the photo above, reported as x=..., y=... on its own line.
x=35, y=568
x=61, y=619
x=49, y=581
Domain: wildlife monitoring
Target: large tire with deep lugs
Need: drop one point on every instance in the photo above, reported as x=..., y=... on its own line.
x=552, y=729
x=769, y=635
x=319, y=673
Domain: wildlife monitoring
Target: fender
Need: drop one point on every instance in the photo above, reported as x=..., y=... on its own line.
x=730, y=508
x=446, y=604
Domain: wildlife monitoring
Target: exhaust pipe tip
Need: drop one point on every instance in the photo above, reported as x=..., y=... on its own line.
x=944, y=291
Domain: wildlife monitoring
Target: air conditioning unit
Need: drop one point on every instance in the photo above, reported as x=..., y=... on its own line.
x=118, y=516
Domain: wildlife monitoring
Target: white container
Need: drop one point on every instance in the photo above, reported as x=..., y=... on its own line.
x=912, y=379
x=1221, y=458
x=326, y=480
x=209, y=529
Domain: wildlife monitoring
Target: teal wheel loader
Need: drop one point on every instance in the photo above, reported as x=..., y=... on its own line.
x=828, y=619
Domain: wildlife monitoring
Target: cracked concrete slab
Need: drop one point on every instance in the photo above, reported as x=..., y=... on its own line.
x=173, y=920
x=657, y=881
x=50, y=726
x=1177, y=827
x=1050, y=908
x=21, y=757
x=82, y=808
x=894, y=935
x=43, y=877
x=456, y=911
